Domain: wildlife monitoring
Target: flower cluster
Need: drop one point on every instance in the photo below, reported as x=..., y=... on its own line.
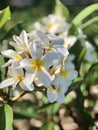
x=39, y=60
x=56, y=25
x=59, y=26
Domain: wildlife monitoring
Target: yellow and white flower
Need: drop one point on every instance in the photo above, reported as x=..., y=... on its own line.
x=13, y=55
x=16, y=77
x=38, y=65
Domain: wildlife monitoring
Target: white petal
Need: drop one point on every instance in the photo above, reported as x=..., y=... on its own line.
x=6, y=83
x=58, y=41
x=25, y=63
x=9, y=53
x=42, y=36
x=35, y=51
x=18, y=40
x=72, y=74
x=52, y=97
x=44, y=77
x=70, y=40
x=62, y=50
x=23, y=36
x=8, y=63
x=14, y=70
x=62, y=82
x=29, y=77
x=60, y=98
x=27, y=88
x=15, y=83
x=50, y=59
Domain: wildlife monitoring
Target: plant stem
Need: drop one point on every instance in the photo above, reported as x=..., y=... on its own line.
x=19, y=96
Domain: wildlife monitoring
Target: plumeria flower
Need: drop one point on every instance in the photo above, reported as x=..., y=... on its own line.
x=16, y=77
x=81, y=36
x=52, y=24
x=55, y=94
x=63, y=78
x=37, y=66
x=13, y=55
x=40, y=59
x=52, y=43
x=89, y=56
x=21, y=43
x=69, y=41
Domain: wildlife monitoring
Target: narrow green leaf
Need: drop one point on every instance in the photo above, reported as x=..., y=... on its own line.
x=6, y=117
x=81, y=56
x=2, y=69
x=4, y=16
x=89, y=22
x=83, y=111
x=50, y=108
x=14, y=30
x=26, y=115
x=84, y=14
x=27, y=110
x=48, y=126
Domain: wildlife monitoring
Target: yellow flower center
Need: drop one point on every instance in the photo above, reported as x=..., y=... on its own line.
x=17, y=57
x=49, y=25
x=20, y=78
x=49, y=48
x=52, y=88
x=65, y=44
x=37, y=64
x=64, y=73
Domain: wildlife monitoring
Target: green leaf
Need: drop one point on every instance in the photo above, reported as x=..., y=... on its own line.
x=91, y=77
x=27, y=110
x=50, y=108
x=15, y=30
x=84, y=14
x=77, y=50
x=6, y=117
x=83, y=111
x=81, y=56
x=26, y=115
x=89, y=23
x=48, y=126
x=4, y=16
x=73, y=30
x=75, y=84
x=2, y=69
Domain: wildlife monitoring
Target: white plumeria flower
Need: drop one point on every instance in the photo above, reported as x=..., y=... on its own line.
x=37, y=66
x=52, y=43
x=21, y=43
x=13, y=55
x=64, y=75
x=52, y=24
x=63, y=78
x=81, y=36
x=16, y=77
x=69, y=41
x=89, y=56
x=55, y=94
